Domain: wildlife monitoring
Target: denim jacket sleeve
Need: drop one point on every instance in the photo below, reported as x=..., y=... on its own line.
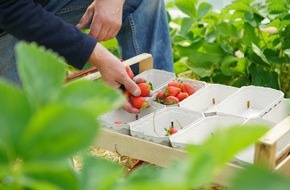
x=27, y=20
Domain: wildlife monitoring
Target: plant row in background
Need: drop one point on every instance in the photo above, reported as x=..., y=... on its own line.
x=245, y=43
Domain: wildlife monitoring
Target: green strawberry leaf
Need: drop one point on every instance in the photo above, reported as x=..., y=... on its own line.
x=41, y=71
x=15, y=113
x=95, y=97
x=105, y=176
x=259, y=178
x=41, y=175
x=187, y=7
x=57, y=132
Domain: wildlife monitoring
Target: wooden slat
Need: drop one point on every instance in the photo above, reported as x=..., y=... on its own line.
x=265, y=149
x=283, y=154
x=153, y=153
x=284, y=167
x=265, y=155
x=275, y=133
x=146, y=63
x=138, y=148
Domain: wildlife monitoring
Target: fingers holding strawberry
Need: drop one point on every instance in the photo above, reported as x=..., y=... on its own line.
x=136, y=103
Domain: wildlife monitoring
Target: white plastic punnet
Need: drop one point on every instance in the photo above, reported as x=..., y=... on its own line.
x=153, y=127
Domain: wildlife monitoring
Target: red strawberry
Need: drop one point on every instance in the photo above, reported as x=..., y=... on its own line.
x=118, y=122
x=171, y=100
x=170, y=131
x=175, y=83
x=172, y=90
x=160, y=96
x=145, y=88
x=139, y=102
x=186, y=87
x=129, y=72
x=182, y=95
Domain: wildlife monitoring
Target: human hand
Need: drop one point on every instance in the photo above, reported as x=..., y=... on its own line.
x=113, y=72
x=136, y=103
x=104, y=17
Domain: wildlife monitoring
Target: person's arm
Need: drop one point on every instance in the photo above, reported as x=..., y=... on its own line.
x=28, y=21
x=104, y=17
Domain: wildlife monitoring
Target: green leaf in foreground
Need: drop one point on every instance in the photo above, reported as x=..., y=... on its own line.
x=148, y=177
x=50, y=176
x=231, y=141
x=95, y=97
x=105, y=174
x=259, y=178
x=15, y=113
x=41, y=71
x=57, y=132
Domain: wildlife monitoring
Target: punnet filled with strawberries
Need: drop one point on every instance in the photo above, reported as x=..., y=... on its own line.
x=177, y=90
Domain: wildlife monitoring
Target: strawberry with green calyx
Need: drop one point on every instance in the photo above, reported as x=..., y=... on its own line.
x=140, y=102
x=170, y=100
x=145, y=88
x=172, y=130
x=160, y=96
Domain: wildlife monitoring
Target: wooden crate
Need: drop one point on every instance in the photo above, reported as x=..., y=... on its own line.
x=160, y=155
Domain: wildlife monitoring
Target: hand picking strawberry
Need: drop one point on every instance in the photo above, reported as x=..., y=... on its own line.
x=136, y=103
x=140, y=102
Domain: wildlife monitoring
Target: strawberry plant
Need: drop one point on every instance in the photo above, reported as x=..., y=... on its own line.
x=245, y=43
